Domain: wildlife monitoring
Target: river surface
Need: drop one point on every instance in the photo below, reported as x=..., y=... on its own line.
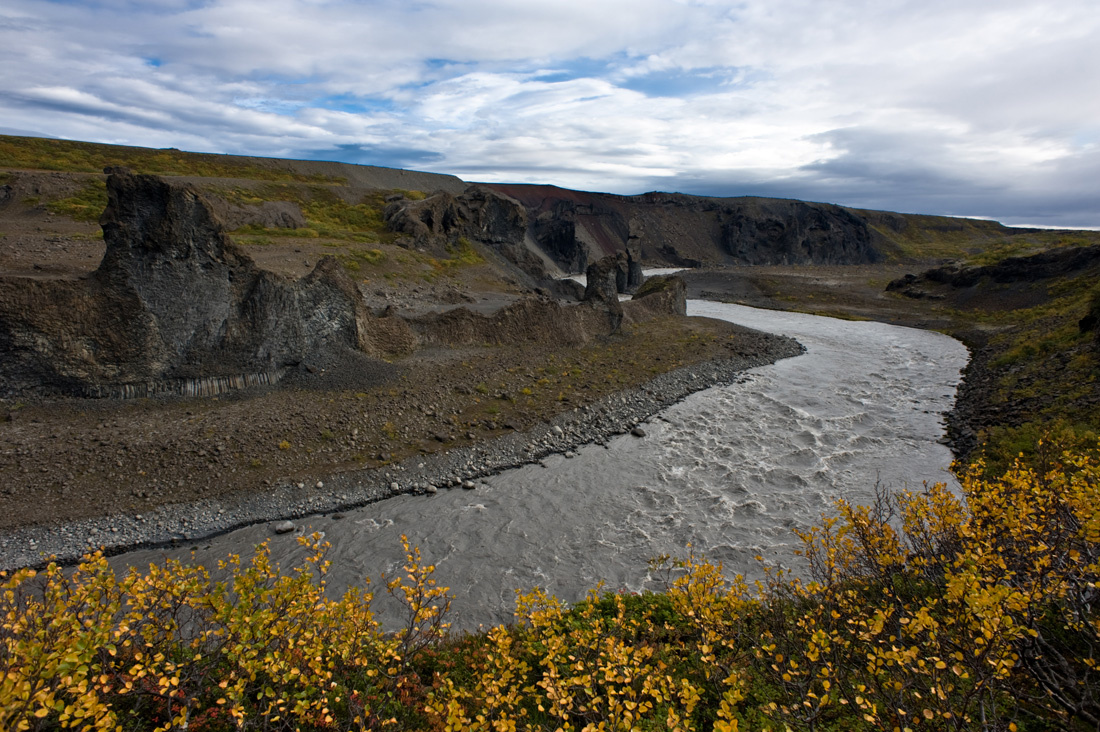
x=730, y=471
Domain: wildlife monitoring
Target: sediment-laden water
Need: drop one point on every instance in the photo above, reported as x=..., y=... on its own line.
x=730, y=471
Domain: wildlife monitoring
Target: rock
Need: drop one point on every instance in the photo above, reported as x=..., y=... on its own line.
x=638, y=432
x=320, y=485
x=662, y=294
x=468, y=485
x=1033, y=268
x=602, y=290
x=688, y=231
x=442, y=221
x=201, y=316
x=284, y=527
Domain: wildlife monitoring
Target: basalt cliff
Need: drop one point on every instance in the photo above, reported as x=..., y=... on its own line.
x=176, y=307
x=546, y=231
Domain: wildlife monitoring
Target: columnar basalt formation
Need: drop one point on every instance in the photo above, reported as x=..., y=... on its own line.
x=174, y=300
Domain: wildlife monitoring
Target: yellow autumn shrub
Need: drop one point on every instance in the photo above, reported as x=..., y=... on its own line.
x=924, y=610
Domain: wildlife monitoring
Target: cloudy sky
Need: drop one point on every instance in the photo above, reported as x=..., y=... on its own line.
x=986, y=108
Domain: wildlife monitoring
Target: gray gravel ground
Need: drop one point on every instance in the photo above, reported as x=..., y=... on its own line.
x=326, y=494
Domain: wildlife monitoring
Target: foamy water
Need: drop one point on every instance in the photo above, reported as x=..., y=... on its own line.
x=730, y=470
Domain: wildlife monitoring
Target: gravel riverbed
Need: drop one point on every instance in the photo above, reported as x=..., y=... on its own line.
x=460, y=468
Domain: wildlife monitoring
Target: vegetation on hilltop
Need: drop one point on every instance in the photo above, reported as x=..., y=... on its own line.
x=923, y=238
x=1045, y=369
x=924, y=612
x=37, y=153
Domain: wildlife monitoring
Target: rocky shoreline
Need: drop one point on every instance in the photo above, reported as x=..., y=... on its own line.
x=459, y=468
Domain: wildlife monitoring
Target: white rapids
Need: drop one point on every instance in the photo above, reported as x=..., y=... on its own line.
x=730, y=471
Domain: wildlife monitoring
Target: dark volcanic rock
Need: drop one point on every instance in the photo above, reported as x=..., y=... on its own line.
x=574, y=227
x=793, y=232
x=1041, y=266
x=479, y=214
x=555, y=232
x=175, y=300
x=666, y=294
x=602, y=288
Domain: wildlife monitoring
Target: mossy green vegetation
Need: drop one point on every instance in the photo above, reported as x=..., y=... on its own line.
x=922, y=611
x=653, y=285
x=35, y=153
x=85, y=205
x=327, y=213
x=924, y=238
x=1046, y=369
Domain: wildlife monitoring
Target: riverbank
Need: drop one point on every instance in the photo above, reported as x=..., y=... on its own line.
x=1032, y=370
x=714, y=353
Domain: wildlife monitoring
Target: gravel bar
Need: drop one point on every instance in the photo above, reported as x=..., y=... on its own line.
x=175, y=524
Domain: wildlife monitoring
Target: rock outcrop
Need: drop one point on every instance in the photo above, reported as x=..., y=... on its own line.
x=173, y=301
x=665, y=294
x=602, y=289
x=1044, y=265
x=440, y=222
x=573, y=228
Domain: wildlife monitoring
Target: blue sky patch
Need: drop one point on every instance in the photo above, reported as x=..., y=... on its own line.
x=579, y=68
x=353, y=104
x=386, y=157
x=680, y=83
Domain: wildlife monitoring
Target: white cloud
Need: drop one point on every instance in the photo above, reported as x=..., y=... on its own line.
x=944, y=106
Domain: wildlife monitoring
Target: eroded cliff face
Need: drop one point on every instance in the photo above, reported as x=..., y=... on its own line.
x=546, y=231
x=574, y=227
x=439, y=223
x=175, y=300
x=600, y=314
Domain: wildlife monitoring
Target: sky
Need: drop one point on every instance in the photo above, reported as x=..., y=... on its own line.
x=983, y=108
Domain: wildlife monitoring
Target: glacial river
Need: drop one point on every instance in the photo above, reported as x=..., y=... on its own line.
x=730, y=471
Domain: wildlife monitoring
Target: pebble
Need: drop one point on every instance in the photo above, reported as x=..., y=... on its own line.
x=468, y=485
x=638, y=432
x=284, y=527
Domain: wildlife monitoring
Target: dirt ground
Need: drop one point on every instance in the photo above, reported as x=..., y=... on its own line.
x=842, y=291
x=65, y=459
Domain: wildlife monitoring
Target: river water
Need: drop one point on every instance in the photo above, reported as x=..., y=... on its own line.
x=730, y=470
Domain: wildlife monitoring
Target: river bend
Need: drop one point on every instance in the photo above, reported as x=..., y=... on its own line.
x=730, y=470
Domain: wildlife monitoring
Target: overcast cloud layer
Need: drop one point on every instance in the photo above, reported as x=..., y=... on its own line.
x=961, y=107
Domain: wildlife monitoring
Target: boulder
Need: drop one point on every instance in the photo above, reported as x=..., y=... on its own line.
x=662, y=295
x=602, y=289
